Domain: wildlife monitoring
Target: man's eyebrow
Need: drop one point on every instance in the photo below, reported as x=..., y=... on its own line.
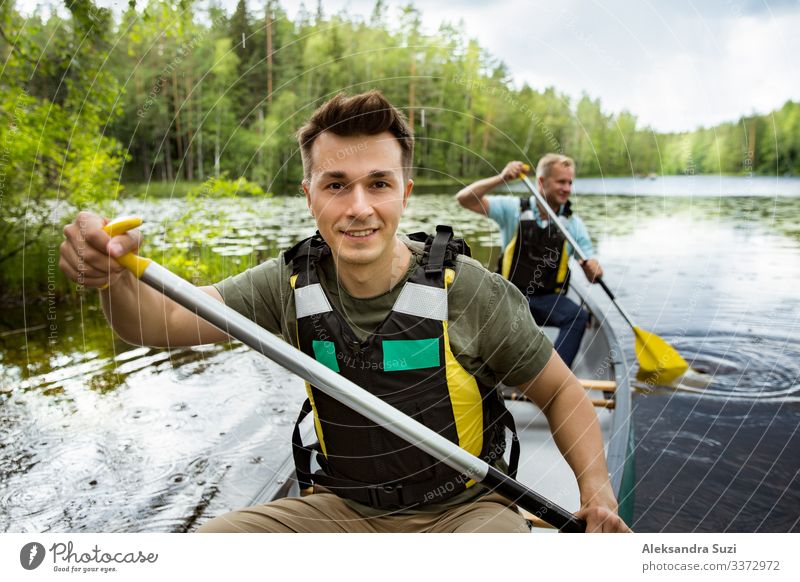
x=338, y=174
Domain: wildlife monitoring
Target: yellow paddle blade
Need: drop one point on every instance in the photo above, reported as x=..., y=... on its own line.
x=658, y=357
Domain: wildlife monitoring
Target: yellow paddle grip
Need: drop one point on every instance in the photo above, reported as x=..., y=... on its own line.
x=134, y=263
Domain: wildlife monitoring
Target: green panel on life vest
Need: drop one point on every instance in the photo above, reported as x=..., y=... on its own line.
x=325, y=353
x=399, y=355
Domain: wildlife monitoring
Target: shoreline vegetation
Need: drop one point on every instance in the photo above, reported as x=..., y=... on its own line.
x=207, y=234
x=422, y=185
x=175, y=99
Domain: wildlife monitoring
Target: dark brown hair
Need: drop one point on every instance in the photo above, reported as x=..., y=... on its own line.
x=364, y=114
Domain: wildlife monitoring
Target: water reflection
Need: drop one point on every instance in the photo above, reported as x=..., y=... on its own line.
x=101, y=436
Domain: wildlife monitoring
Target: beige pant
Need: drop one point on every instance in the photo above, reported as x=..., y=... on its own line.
x=327, y=513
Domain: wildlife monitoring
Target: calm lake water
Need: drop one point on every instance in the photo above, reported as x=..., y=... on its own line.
x=98, y=435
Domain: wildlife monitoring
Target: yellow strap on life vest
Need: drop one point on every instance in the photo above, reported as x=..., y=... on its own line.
x=562, y=266
x=508, y=257
x=465, y=396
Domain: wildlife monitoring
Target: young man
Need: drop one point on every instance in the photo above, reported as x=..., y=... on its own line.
x=407, y=320
x=535, y=253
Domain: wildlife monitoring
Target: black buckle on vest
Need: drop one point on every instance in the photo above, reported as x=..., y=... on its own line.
x=385, y=495
x=436, y=255
x=303, y=454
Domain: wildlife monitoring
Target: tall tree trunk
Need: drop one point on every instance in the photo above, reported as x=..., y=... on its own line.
x=168, y=158
x=528, y=139
x=411, y=89
x=216, y=147
x=145, y=153
x=268, y=17
x=143, y=150
x=260, y=153
x=466, y=145
x=189, y=104
x=200, y=169
x=177, y=117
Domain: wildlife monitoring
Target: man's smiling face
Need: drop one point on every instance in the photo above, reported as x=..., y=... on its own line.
x=357, y=194
x=558, y=185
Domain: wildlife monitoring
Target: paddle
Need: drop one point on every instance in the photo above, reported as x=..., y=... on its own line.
x=248, y=332
x=656, y=357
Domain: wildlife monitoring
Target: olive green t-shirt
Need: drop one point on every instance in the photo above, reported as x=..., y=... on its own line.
x=491, y=330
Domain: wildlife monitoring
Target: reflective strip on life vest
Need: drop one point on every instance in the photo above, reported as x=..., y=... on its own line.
x=422, y=301
x=311, y=300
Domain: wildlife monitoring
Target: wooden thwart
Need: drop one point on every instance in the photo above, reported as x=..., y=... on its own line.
x=604, y=385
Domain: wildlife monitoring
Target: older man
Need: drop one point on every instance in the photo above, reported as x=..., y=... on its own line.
x=535, y=252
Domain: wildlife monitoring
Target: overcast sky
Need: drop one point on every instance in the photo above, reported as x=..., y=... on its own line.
x=675, y=64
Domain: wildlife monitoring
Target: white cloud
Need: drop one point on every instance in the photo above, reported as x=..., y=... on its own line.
x=675, y=65
x=750, y=69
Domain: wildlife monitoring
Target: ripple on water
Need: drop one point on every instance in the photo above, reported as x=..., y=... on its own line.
x=31, y=501
x=740, y=366
x=140, y=415
x=687, y=445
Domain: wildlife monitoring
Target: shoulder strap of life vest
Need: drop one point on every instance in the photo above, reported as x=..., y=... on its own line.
x=441, y=249
x=437, y=248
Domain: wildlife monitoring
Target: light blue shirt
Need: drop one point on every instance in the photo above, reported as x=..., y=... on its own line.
x=504, y=210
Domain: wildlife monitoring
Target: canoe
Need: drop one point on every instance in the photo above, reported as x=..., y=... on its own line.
x=602, y=367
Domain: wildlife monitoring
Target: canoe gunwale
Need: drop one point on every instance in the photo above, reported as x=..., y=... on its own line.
x=618, y=445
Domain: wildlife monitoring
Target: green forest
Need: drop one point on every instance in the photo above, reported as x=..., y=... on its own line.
x=94, y=104
x=169, y=92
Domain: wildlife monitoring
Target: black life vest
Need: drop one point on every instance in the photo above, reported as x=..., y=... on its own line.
x=407, y=361
x=536, y=259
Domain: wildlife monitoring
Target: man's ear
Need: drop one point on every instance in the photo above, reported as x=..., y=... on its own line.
x=407, y=193
x=305, y=185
